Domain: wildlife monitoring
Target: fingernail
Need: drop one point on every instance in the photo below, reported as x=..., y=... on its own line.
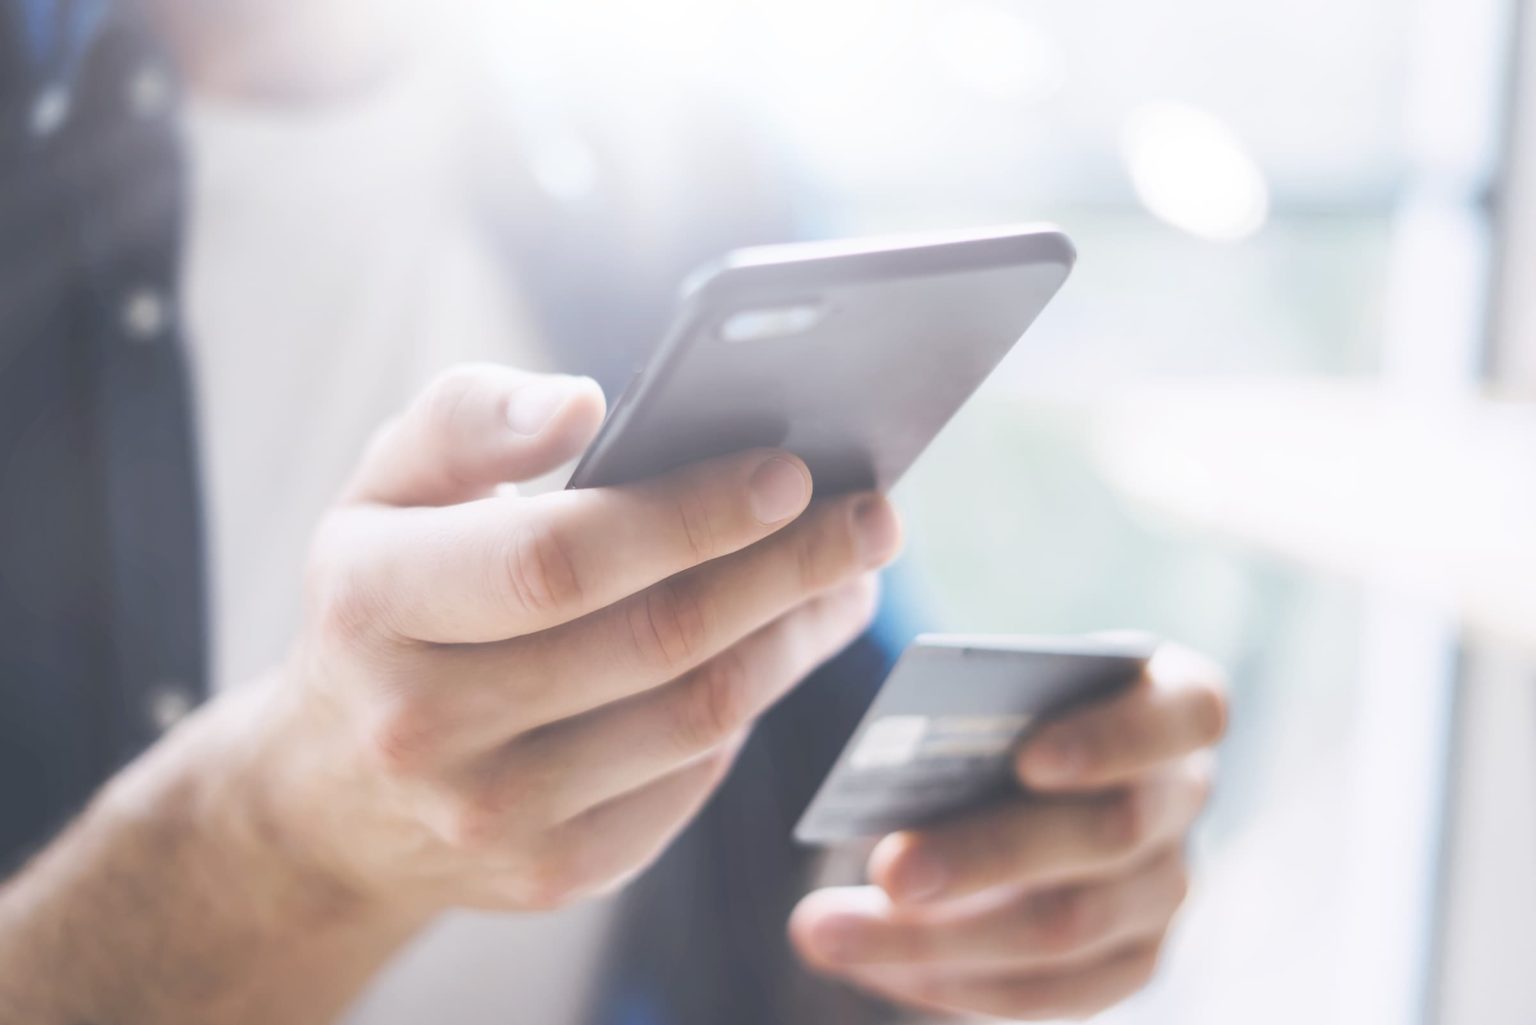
x=875, y=531
x=1056, y=760
x=917, y=877
x=532, y=407
x=779, y=489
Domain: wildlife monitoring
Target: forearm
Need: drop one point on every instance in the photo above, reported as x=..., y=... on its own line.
x=177, y=898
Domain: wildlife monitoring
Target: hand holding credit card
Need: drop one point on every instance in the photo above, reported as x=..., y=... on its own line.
x=1036, y=798
x=940, y=737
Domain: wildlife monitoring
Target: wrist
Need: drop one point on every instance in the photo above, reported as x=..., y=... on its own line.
x=181, y=896
x=233, y=791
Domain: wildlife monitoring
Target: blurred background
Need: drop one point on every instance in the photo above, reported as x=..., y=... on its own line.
x=1281, y=412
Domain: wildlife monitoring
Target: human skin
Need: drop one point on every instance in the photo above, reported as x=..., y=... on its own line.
x=1056, y=905
x=496, y=701
x=515, y=703
x=264, y=860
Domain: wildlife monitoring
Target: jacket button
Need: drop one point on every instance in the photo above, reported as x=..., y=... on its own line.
x=149, y=91
x=145, y=314
x=167, y=705
x=50, y=110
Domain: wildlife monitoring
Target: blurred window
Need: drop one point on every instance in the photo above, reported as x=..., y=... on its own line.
x=1278, y=200
x=1267, y=194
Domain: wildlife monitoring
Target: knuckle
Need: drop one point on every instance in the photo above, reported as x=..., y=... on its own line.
x=404, y=737
x=478, y=822
x=668, y=625
x=447, y=400
x=1063, y=922
x=1126, y=823
x=335, y=594
x=815, y=569
x=351, y=608
x=541, y=576
x=698, y=526
x=715, y=704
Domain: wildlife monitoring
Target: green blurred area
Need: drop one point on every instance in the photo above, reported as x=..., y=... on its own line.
x=1012, y=529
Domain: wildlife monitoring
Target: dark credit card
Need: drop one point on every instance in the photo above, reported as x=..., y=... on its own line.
x=940, y=737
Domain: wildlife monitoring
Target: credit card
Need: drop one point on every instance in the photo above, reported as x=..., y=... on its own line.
x=940, y=736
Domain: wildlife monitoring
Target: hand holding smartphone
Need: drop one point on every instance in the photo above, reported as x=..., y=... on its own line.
x=853, y=356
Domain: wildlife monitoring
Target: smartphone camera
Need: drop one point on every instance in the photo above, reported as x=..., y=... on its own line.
x=772, y=324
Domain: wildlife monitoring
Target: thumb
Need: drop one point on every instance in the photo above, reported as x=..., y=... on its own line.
x=477, y=426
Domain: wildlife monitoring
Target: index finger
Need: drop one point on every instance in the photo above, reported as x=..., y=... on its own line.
x=1178, y=707
x=508, y=566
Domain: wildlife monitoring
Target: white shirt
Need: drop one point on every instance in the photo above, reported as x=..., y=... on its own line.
x=335, y=263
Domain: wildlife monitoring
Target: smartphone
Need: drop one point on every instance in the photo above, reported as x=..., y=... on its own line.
x=939, y=739
x=852, y=355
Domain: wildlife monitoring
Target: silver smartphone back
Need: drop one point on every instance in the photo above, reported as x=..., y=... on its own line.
x=852, y=355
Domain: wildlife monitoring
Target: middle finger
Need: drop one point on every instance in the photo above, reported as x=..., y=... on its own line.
x=598, y=756
x=473, y=698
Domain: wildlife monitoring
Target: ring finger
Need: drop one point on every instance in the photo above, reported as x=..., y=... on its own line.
x=622, y=747
x=504, y=690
